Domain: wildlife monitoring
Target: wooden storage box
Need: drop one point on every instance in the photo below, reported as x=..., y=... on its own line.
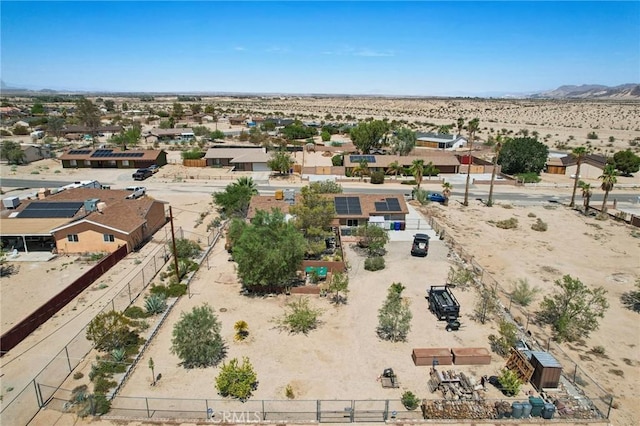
x=425, y=356
x=547, y=370
x=471, y=356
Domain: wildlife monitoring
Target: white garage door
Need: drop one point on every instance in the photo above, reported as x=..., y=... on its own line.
x=261, y=167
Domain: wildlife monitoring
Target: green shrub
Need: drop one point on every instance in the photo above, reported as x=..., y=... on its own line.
x=237, y=381
x=592, y=135
x=510, y=382
x=374, y=263
x=337, y=160
x=300, y=317
x=78, y=375
x=135, y=312
x=409, y=400
x=155, y=304
x=528, y=177
x=523, y=293
x=377, y=178
x=101, y=405
x=173, y=290
x=102, y=385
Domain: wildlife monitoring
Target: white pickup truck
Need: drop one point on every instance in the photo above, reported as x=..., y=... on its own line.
x=136, y=192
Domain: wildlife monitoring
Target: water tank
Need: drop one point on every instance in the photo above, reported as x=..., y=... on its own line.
x=548, y=411
x=517, y=410
x=526, y=410
x=279, y=194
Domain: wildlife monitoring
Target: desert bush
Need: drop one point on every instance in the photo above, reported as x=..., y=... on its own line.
x=196, y=338
x=510, y=382
x=539, y=226
x=460, y=277
x=135, y=312
x=528, y=177
x=78, y=375
x=237, y=381
x=242, y=330
x=374, y=263
x=523, y=293
x=531, y=214
x=288, y=392
x=299, y=317
x=598, y=350
x=592, y=135
x=409, y=400
x=118, y=355
x=173, y=290
x=511, y=223
x=377, y=178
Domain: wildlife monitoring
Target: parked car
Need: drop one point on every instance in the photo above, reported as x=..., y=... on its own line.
x=136, y=192
x=154, y=168
x=420, y=245
x=436, y=197
x=141, y=174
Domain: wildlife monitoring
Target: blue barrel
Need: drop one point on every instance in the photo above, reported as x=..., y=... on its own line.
x=526, y=410
x=548, y=411
x=517, y=410
x=396, y=226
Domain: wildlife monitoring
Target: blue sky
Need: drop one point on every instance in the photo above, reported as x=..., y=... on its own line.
x=390, y=48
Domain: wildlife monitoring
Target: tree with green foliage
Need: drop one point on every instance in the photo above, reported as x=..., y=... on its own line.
x=626, y=162
x=403, y=141
x=394, y=317
x=362, y=169
x=395, y=168
x=587, y=192
x=55, y=126
x=269, y=252
x=196, y=338
x=609, y=179
x=217, y=134
x=579, y=153
x=524, y=293
x=234, y=200
x=37, y=109
x=325, y=187
x=110, y=330
x=368, y=135
x=510, y=383
x=110, y=105
x=631, y=299
x=313, y=216
x=237, y=380
x=373, y=238
x=299, y=317
x=447, y=188
x=129, y=137
x=187, y=249
x=280, y=162
x=177, y=111
x=12, y=152
x=523, y=155
x=417, y=170
x=88, y=114
x=195, y=108
x=496, y=149
x=297, y=130
x=339, y=284
x=574, y=309
x=460, y=125
x=326, y=136
x=431, y=170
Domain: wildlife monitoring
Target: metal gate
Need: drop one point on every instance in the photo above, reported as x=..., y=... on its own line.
x=338, y=411
x=370, y=411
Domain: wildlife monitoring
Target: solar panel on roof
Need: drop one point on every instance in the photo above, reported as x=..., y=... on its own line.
x=381, y=206
x=358, y=158
x=393, y=204
x=48, y=209
x=102, y=153
x=79, y=151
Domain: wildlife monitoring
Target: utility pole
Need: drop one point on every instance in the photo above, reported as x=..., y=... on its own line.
x=173, y=243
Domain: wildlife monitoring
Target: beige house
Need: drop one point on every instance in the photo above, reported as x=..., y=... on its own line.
x=241, y=159
x=35, y=152
x=445, y=162
x=82, y=220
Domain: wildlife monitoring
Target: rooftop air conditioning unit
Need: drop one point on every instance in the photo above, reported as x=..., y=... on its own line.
x=11, y=202
x=91, y=205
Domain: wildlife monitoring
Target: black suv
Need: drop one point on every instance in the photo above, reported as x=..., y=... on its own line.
x=420, y=245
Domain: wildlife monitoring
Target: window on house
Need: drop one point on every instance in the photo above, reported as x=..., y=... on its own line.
x=87, y=162
x=352, y=222
x=72, y=238
x=73, y=163
x=125, y=163
x=108, y=238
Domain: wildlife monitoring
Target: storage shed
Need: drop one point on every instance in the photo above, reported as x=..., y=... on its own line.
x=471, y=356
x=547, y=370
x=425, y=356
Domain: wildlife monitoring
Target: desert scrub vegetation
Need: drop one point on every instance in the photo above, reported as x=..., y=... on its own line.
x=511, y=223
x=374, y=263
x=299, y=317
x=539, y=226
x=524, y=293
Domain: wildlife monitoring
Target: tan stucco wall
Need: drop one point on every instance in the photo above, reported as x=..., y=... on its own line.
x=89, y=240
x=587, y=171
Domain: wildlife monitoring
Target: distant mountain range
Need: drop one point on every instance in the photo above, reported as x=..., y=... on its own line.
x=592, y=91
x=629, y=91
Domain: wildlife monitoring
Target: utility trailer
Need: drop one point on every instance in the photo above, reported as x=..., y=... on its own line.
x=443, y=303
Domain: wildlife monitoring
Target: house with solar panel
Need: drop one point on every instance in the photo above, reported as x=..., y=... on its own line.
x=445, y=162
x=112, y=158
x=80, y=220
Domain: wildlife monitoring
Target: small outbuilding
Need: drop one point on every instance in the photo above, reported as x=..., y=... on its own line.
x=547, y=370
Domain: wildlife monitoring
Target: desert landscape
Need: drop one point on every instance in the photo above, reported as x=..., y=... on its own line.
x=343, y=358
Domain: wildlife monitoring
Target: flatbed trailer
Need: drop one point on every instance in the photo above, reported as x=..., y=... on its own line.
x=443, y=303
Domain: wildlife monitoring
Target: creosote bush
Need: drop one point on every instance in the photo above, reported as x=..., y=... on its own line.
x=539, y=226
x=375, y=263
x=511, y=223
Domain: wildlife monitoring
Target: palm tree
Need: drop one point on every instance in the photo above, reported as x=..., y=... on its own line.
x=497, y=147
x=431, y=170
x=446, y=191
x=361, y=169
x=586, y=195
x=395, y=168
x=248, y=182
x=609, y=179
x=471, y=128
x=460, y=124
x=579, y=153
x=417, y=170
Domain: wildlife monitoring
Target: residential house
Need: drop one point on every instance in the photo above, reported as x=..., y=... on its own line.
x=21, y=123
x=34, y=152
x=176, y=135
x=238, y=120
x=440, y=141
x=591, y=167
x=82, y=220
x=241, y=159
x=443, y=161
x=112, y=158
